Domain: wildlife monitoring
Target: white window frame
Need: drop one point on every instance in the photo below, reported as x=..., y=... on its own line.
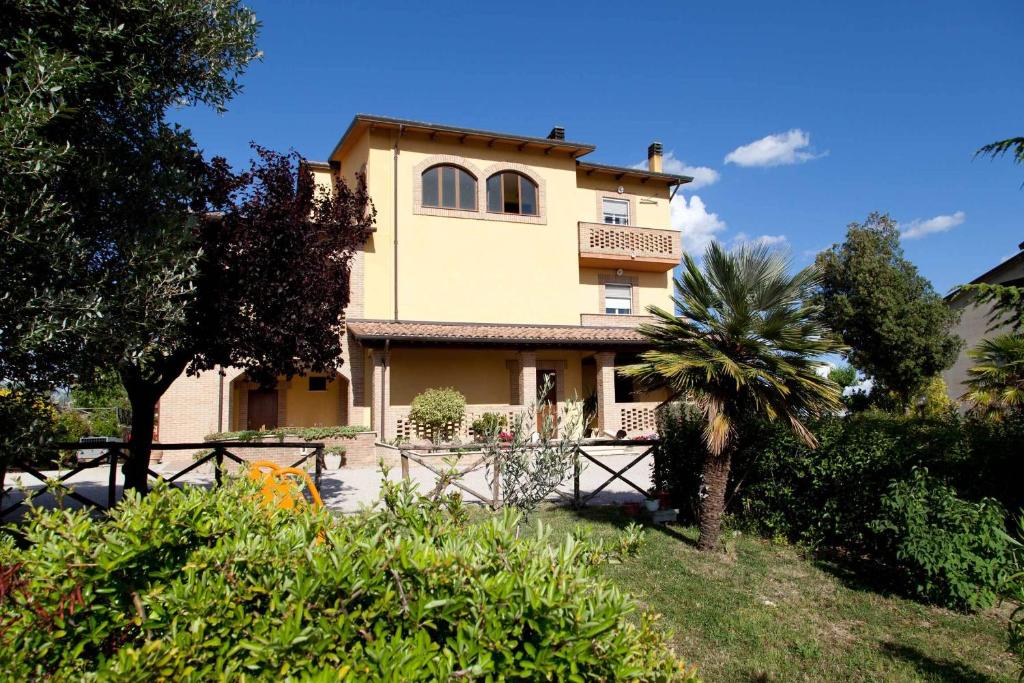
x=609, y=287
x=615, y=218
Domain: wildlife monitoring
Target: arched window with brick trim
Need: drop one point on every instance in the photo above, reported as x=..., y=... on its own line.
x=512, y=192
x=447, y=186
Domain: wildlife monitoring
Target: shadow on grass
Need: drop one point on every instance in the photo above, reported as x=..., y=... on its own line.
x=932, y=668
x=614, y=516
x=859, y=574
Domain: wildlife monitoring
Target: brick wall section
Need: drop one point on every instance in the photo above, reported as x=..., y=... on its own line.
x=188, y=410
x=607, y=417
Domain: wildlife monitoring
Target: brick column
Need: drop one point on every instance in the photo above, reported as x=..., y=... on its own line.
x=607, y=420
x=381, y=407
x=527, y=378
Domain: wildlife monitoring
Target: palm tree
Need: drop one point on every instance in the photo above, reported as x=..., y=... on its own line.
x=995, y=385
x=746, y=344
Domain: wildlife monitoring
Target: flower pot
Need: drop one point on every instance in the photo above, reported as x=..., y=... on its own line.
x=652, y=504
x=332, y=461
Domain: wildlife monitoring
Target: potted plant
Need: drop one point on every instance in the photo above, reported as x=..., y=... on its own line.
x=487, y=426
x=334, y=457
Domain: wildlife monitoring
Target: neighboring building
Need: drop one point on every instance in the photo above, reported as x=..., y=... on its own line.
x=974, y=319
x=498, y=260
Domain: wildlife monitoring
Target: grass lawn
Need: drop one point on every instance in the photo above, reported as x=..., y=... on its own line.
x=764, y=612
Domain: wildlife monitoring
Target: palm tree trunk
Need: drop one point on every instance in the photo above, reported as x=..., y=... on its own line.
x=712, y=506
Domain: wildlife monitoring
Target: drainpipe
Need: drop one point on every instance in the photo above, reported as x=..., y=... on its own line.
x=220, y=400
x=394, y=184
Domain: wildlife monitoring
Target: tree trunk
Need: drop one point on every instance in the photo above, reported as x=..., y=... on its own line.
x=143, y=410
x=712, y=506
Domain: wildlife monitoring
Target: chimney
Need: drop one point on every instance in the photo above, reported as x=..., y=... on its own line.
x=557, y=133
x=654, y=157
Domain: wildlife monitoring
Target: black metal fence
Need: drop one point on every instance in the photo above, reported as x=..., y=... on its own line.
x=116, y=452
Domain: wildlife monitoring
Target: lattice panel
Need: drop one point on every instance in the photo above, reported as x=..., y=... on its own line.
x=638, y=419
x=630, y=241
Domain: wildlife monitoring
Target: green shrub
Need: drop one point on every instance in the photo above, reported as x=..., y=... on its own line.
x=199, y=585
x=950, y=551
x=1014, y=590
x=439, y=412
x=488, y=425
x=827, y=496
x=304, y=433
x=830, y=496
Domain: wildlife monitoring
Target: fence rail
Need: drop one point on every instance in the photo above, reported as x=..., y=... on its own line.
x=487, y=457
x=115, y=452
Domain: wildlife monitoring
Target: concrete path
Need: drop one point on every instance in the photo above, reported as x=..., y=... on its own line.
x=348, y=489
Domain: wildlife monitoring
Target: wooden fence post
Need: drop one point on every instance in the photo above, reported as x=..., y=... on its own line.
x=319, y=465
x=218, y=464
x=405, y=465
x=576, y=478
x=112, y=481
x=496, y=484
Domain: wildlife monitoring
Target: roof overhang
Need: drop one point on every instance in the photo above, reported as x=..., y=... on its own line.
x=377, y=333
x=364, y=122
x=623, y=172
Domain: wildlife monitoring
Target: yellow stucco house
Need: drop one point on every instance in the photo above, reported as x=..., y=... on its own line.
x=499, y=261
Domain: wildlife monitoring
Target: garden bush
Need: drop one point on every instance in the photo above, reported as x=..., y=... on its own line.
x=199, y=585
x=830, y=496
x=951, y=551
x=439, y=411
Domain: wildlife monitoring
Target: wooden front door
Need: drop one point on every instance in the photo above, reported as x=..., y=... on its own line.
x=547, y=379
x=262, y=409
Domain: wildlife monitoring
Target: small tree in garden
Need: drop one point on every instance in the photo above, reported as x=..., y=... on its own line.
x=535, y=459
x=897, y=328
x=439, y=411
x=747, y=343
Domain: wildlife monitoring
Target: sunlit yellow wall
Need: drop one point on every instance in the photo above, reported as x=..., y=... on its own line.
x=476, y=270
x=305, y=408
x=654, y=289
x=650, y=200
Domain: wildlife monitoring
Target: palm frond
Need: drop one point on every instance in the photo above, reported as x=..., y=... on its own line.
x=746, y=343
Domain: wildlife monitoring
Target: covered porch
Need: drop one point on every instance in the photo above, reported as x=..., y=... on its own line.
x=500, y=369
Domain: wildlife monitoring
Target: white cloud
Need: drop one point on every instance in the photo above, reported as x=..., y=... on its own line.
x=943, y=223
x=774, y=241
x=697, y=225
x=791, y=147
x=702, y=175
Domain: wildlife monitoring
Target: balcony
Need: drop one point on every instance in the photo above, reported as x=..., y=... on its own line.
x=629, y=247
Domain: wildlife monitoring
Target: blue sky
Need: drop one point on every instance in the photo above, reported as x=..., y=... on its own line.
x=806, y=115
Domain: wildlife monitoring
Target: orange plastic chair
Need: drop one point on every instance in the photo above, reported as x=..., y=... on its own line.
x=277, y=489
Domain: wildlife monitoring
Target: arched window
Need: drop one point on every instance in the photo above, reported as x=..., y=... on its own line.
x=511, y=192
x=449, y=187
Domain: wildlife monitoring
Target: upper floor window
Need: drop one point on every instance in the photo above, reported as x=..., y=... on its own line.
x=449, y=187
x=616, y=211
x=511, y=192
x=618, y=299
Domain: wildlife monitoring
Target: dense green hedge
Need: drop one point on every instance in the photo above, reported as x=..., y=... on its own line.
x=304, y=433
x=201, y=585
x=831, y=496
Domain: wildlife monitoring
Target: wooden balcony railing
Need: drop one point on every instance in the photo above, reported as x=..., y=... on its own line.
x=626, y=246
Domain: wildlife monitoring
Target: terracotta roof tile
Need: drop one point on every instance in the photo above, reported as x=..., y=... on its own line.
x=493, y=334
